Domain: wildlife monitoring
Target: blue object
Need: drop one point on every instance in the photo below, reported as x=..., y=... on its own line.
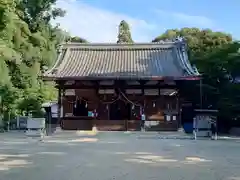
x=188, y=127
x=90, y=114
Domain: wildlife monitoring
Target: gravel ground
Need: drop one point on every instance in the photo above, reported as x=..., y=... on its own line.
x=68, y=156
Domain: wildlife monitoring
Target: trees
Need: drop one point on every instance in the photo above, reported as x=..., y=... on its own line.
x=13, y=33
x=124, y=34
x=221, y=69
x=200, y=42
x=217, y=58
x=76, y=39
x=28, y=44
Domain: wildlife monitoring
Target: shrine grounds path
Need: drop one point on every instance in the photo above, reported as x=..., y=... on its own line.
x=118, y=156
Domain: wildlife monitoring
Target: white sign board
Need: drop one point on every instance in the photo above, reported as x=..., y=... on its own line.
x=54, y=110
x=202, y=122
x=36, y=123
x=106, y=91
x=70, y=92
x=174, y=118
x=35, y=127
x=168, y=118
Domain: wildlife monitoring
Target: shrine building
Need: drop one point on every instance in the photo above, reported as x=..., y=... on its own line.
x=113, y=86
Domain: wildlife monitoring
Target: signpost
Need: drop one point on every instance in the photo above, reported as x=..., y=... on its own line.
x=35, y=127
x=205, y=123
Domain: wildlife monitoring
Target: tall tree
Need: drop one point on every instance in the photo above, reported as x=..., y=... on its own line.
x=217, y=58
x=28, y=44
x=76, y=39
x=14, y=33
x=200, y=42
x=124, y=33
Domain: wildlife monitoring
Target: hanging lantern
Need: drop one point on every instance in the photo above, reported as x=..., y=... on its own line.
x=168, y=106
x=75, y=103
x=86, y=104
x=95, y=113
x=133, y=107
x=154, y=104
x=107, y=106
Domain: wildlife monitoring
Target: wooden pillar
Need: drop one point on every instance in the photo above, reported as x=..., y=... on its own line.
x=178, y=118
x=142, y=83
x=59, y=104
x=201, y=93
x=183, y=99
x=62, y=102
x=108, y=106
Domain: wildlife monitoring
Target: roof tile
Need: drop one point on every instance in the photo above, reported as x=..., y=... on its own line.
x=135, y=61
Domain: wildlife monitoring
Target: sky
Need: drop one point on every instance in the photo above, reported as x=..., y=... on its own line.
x=98, y=20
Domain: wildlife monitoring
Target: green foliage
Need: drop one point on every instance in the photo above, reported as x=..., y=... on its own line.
x=200, y=42
x=76, y=39
x=124, y=34
x=5, y=78
x=8, y=98
x=28, y=43
x=218, y=59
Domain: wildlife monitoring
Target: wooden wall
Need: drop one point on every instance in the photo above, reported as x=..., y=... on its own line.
x=155, y=110
x=157, y=107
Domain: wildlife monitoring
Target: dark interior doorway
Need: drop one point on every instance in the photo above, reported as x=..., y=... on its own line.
x=80, y=108
x=120, y=110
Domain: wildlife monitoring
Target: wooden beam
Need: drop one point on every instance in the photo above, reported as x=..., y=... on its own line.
x=142, y=83
x=118, y=86
x=96, y=84
x=59, y=104
x=60, y=84
x=159, y=89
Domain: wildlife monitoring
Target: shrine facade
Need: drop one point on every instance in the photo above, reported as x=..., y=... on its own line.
x=113, y=86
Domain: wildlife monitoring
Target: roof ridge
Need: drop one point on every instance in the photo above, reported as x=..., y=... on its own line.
x=163, y=42
x=122, y=46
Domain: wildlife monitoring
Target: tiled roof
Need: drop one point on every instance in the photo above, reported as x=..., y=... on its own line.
x=122, y=61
